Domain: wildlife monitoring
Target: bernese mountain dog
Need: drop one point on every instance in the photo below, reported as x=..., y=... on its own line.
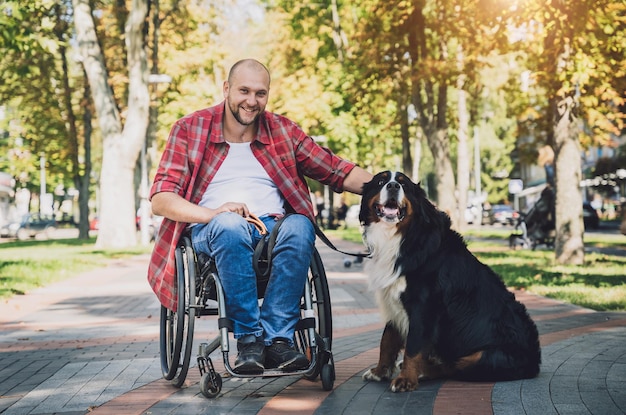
x=452, y=314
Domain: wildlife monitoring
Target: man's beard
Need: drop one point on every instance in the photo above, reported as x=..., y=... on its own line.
x=236, y=113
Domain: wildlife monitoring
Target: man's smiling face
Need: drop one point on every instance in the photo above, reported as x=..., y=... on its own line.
x=247, y=94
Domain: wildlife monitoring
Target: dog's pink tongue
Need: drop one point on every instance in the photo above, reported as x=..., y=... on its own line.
x=390, y=212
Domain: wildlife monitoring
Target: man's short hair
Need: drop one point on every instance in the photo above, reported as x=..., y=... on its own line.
x=251, y=63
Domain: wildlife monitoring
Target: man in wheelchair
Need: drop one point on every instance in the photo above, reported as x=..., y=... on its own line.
x=223, y=165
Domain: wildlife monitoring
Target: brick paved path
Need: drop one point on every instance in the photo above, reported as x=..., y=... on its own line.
x=90, y=345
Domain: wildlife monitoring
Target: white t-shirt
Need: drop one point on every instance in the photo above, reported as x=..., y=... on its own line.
x=241, y=178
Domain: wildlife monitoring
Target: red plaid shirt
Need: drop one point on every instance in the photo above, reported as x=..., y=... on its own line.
x=193, y=154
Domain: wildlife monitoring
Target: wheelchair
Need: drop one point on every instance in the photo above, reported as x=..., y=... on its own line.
x=200, y=293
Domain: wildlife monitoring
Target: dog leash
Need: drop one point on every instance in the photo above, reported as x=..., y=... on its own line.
x=324, y=238
x=262, y=258
x=258, y=223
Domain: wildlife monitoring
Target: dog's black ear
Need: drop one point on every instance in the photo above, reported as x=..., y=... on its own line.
x=366, y=194
x=419, y=188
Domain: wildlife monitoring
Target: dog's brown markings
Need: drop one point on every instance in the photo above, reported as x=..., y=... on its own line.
x=414, y=368
x=372, y=210
x=419, y=367
x=435, y=369
x=407, y=380
x=468, y=361
x=390, y=345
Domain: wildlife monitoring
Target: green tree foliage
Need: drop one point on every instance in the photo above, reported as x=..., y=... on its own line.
x=36, y=74
x=30, y=66
x=396, y=55
x=306, y=70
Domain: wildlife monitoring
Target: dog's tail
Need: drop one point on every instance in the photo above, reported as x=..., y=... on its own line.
x=499, y=365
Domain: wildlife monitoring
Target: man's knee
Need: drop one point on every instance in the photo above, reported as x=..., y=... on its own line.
x=298, y=225
x=297, y=231
x=228, y=223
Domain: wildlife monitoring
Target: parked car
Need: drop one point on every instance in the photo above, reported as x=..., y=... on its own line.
x=29, y=226
x=590, y=217
x=502, y=214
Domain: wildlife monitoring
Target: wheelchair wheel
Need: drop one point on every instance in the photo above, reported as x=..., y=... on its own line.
x=211, y=385
x=170, y=330
x=176, y=327
x=328, y=377
x=324, y=331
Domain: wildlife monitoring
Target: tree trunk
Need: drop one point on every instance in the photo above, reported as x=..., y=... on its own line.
x=81, y=181
x=339, y=37
x=439, y=145
x=430, y=101
x=120, y=147
x=569, y=245
x=84, y=180
x=417, y=158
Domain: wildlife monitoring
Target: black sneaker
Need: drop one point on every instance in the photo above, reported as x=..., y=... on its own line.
x=282, y=356
x=251, y=358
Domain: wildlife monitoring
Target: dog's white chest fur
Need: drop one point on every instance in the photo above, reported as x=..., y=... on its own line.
x=384, y=278
x=391, y=307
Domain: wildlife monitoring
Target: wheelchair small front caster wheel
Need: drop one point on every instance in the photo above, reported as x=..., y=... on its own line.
x=211, y=386
x=328, y=377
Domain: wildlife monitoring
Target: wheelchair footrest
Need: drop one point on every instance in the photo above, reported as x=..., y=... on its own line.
x=270, y=372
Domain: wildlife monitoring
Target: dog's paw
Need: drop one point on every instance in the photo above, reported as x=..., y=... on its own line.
x=371, y=375
x=378, y=374
x=403, y=384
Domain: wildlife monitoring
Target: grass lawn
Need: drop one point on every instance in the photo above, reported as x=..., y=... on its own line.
x=599, y=284
x=25, y=265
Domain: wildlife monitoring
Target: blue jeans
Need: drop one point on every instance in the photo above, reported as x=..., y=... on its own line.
x=231, y=240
